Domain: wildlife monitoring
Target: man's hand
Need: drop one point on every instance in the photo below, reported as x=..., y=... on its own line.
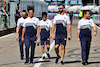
x=95, y=33
x=16, y=38
x=52, y=36
x=69, y=37
x=78, y=39
x=37, y=37
x=22, y=39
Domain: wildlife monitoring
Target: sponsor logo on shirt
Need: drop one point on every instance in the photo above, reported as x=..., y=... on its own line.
x=64, y=17
x=47, y=23
x=33, y=19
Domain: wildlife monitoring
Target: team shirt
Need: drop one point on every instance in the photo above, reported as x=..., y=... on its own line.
x=31, y=26
x=85, y=27
x=45, y=28
x=84, y=22
x=61, y=22
x=20, y=24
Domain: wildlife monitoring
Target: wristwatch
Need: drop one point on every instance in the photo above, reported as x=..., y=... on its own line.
x=70, y=34
x=95, y=31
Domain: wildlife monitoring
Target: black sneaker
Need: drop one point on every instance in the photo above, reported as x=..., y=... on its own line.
x=22, y=58
x=62, y=62
x=57, y=59
x=31, y=62
x=84, y=63
x=26, y=62
x=87, y=62
x=47, y=52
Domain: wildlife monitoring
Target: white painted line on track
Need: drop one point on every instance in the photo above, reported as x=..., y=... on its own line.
x=6, y=35
x=39, y=63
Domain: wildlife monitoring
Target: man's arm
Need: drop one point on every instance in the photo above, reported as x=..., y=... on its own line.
x=95, y=30
x=17, y=30
x=23, y=32
x=78, y=33
x=69, y=29
x=38, y=32
x=52, y=31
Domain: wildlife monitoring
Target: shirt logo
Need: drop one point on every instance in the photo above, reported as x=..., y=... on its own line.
x=89, y=21
x=33, y=20
x=64, y=17
x=47, y=23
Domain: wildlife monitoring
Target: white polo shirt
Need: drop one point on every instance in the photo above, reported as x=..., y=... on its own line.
x=47, y=23
x=65, y=18
x=30, y=21
x=20, y=21
x=83, y=22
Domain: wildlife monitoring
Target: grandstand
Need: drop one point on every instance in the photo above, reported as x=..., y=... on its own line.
x=76, y=8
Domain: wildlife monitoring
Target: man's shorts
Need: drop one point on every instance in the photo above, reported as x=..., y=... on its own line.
x=60, y=40
x=47, y=40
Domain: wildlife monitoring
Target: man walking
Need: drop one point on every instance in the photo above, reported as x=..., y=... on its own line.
x=30, y=31
x=85, y=26
x=19, y=30
x=61, y=21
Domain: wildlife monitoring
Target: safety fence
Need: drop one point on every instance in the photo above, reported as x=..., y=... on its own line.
x=7, y=21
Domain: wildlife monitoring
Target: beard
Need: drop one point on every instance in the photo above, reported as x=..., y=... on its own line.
x=60, y=11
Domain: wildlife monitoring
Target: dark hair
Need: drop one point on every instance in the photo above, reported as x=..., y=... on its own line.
x=62, y=5
x=24, y=11
x=30, y=8
x=44, y=13
x=16, y=11
x=85, y=11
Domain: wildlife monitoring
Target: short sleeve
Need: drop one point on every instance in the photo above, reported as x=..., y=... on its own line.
x=54, y=20
x=92, y=23
x=24, y=24
x=68, y=20
x=37, y=22
x=79, y=26
x=18, y=22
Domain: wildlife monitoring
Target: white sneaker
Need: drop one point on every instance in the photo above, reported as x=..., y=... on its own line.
x=47, y=52
x=43, y=56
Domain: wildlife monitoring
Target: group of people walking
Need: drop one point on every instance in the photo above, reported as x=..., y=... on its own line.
x=29, y=29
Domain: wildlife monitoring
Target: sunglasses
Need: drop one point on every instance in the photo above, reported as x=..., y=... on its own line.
x=60, y=8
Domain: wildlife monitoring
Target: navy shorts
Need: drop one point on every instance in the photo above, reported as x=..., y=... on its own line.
x=47, y=40
x=60, y=40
